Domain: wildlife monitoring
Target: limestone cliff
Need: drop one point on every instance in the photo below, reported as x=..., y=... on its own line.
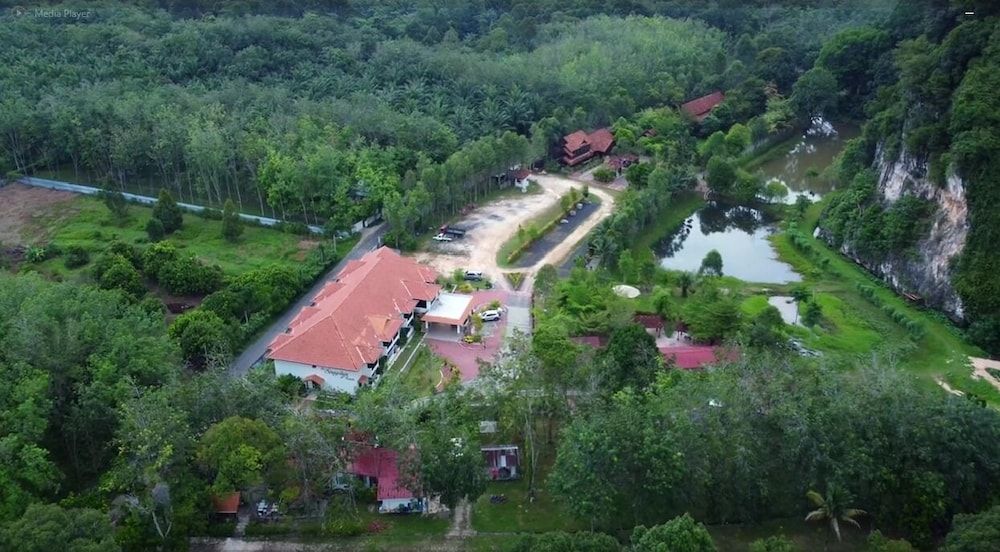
x=926, y=270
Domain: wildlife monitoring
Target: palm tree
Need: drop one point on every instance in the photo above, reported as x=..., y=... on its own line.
x=685, y=280
x=833, y=508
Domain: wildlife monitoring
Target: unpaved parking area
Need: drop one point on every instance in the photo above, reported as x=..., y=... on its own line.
x=489, y=226
x=22, y=207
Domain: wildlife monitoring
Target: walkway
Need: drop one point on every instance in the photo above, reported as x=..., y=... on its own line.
x=370, y=239
x=461, y=521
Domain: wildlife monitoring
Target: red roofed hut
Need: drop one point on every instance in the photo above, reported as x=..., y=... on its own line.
x=380, y=467
x=226, y=506
x=699, y=108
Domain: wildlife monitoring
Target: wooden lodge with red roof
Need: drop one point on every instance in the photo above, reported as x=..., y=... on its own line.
x=379, y=467
x=357, y=324
x=581, y=146
x=700, y=108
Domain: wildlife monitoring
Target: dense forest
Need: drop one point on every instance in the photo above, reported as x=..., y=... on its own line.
x=326, y=118
x=115, y=431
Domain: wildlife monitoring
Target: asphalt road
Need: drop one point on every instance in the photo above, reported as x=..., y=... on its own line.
x=370, y=239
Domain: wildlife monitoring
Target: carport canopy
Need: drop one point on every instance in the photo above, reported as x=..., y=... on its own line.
x=452, y=309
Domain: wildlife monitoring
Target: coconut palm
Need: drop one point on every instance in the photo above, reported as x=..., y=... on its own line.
x=833, y=508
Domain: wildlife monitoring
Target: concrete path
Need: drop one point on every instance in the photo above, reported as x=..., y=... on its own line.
x=370, y=239
x=461, y=522
x=519, y=313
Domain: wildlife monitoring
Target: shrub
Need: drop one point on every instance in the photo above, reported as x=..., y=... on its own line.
x=877, y=542
x=168, y=213
x=131, y=253
x=558, y=541
x=298, y=228
x=209, y=213
x=604, y=174
x=232, y=227
x=116, y=203
x=119, y=274
x=344, y=527
x=777, y=543
x=221, y=530
x=189, y=276
x=154, y=230
x=157, y=256
x=680, y=533
x=76, y=256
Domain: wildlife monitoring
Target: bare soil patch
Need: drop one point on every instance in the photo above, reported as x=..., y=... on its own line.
x=489, y=226
x=980, y=370
x=27, y=213
x=305, y=246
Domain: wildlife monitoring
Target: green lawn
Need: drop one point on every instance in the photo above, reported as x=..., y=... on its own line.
x=518, y=514
x=92, y=229
x=422, y=375
x=940, y=353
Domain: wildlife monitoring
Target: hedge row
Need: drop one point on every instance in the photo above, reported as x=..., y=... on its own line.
x=536, y=234
x=914, y=327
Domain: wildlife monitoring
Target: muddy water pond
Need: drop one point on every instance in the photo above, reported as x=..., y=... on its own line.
x=799, y=166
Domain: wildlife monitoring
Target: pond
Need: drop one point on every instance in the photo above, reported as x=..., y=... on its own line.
x=739, y=233
x=799, y=166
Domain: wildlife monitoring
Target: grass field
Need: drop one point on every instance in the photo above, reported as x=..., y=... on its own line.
x=422, y=375
x=518, y=514
x=91, y=228
x=941, y=353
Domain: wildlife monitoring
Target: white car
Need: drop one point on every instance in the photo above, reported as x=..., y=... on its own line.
x=490, y=315
x=443, y=238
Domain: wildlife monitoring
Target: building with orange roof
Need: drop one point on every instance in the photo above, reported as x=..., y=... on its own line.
x=357, y=324
x=580, y=146
x=700, y=108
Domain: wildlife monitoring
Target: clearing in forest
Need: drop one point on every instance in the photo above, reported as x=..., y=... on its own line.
x=22, y=206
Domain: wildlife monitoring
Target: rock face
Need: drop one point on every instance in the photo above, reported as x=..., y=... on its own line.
x=927, y=271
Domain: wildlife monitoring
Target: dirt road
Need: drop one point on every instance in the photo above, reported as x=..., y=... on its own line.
x=489, y=226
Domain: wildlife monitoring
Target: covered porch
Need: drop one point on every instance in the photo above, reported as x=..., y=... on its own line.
x=447, y=318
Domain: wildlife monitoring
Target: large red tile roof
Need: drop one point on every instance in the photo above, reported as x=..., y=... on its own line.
x=575, y=140
x=699, y=108
x=348, y=319
x=601, y=140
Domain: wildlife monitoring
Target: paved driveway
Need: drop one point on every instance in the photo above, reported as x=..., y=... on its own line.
x=467, y=356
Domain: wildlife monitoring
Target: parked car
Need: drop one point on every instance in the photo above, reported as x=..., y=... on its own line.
x=474, y=275
x=443, y=238
x=490, y=315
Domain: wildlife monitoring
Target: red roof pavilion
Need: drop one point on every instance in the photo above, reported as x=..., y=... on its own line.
x=699, y=108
